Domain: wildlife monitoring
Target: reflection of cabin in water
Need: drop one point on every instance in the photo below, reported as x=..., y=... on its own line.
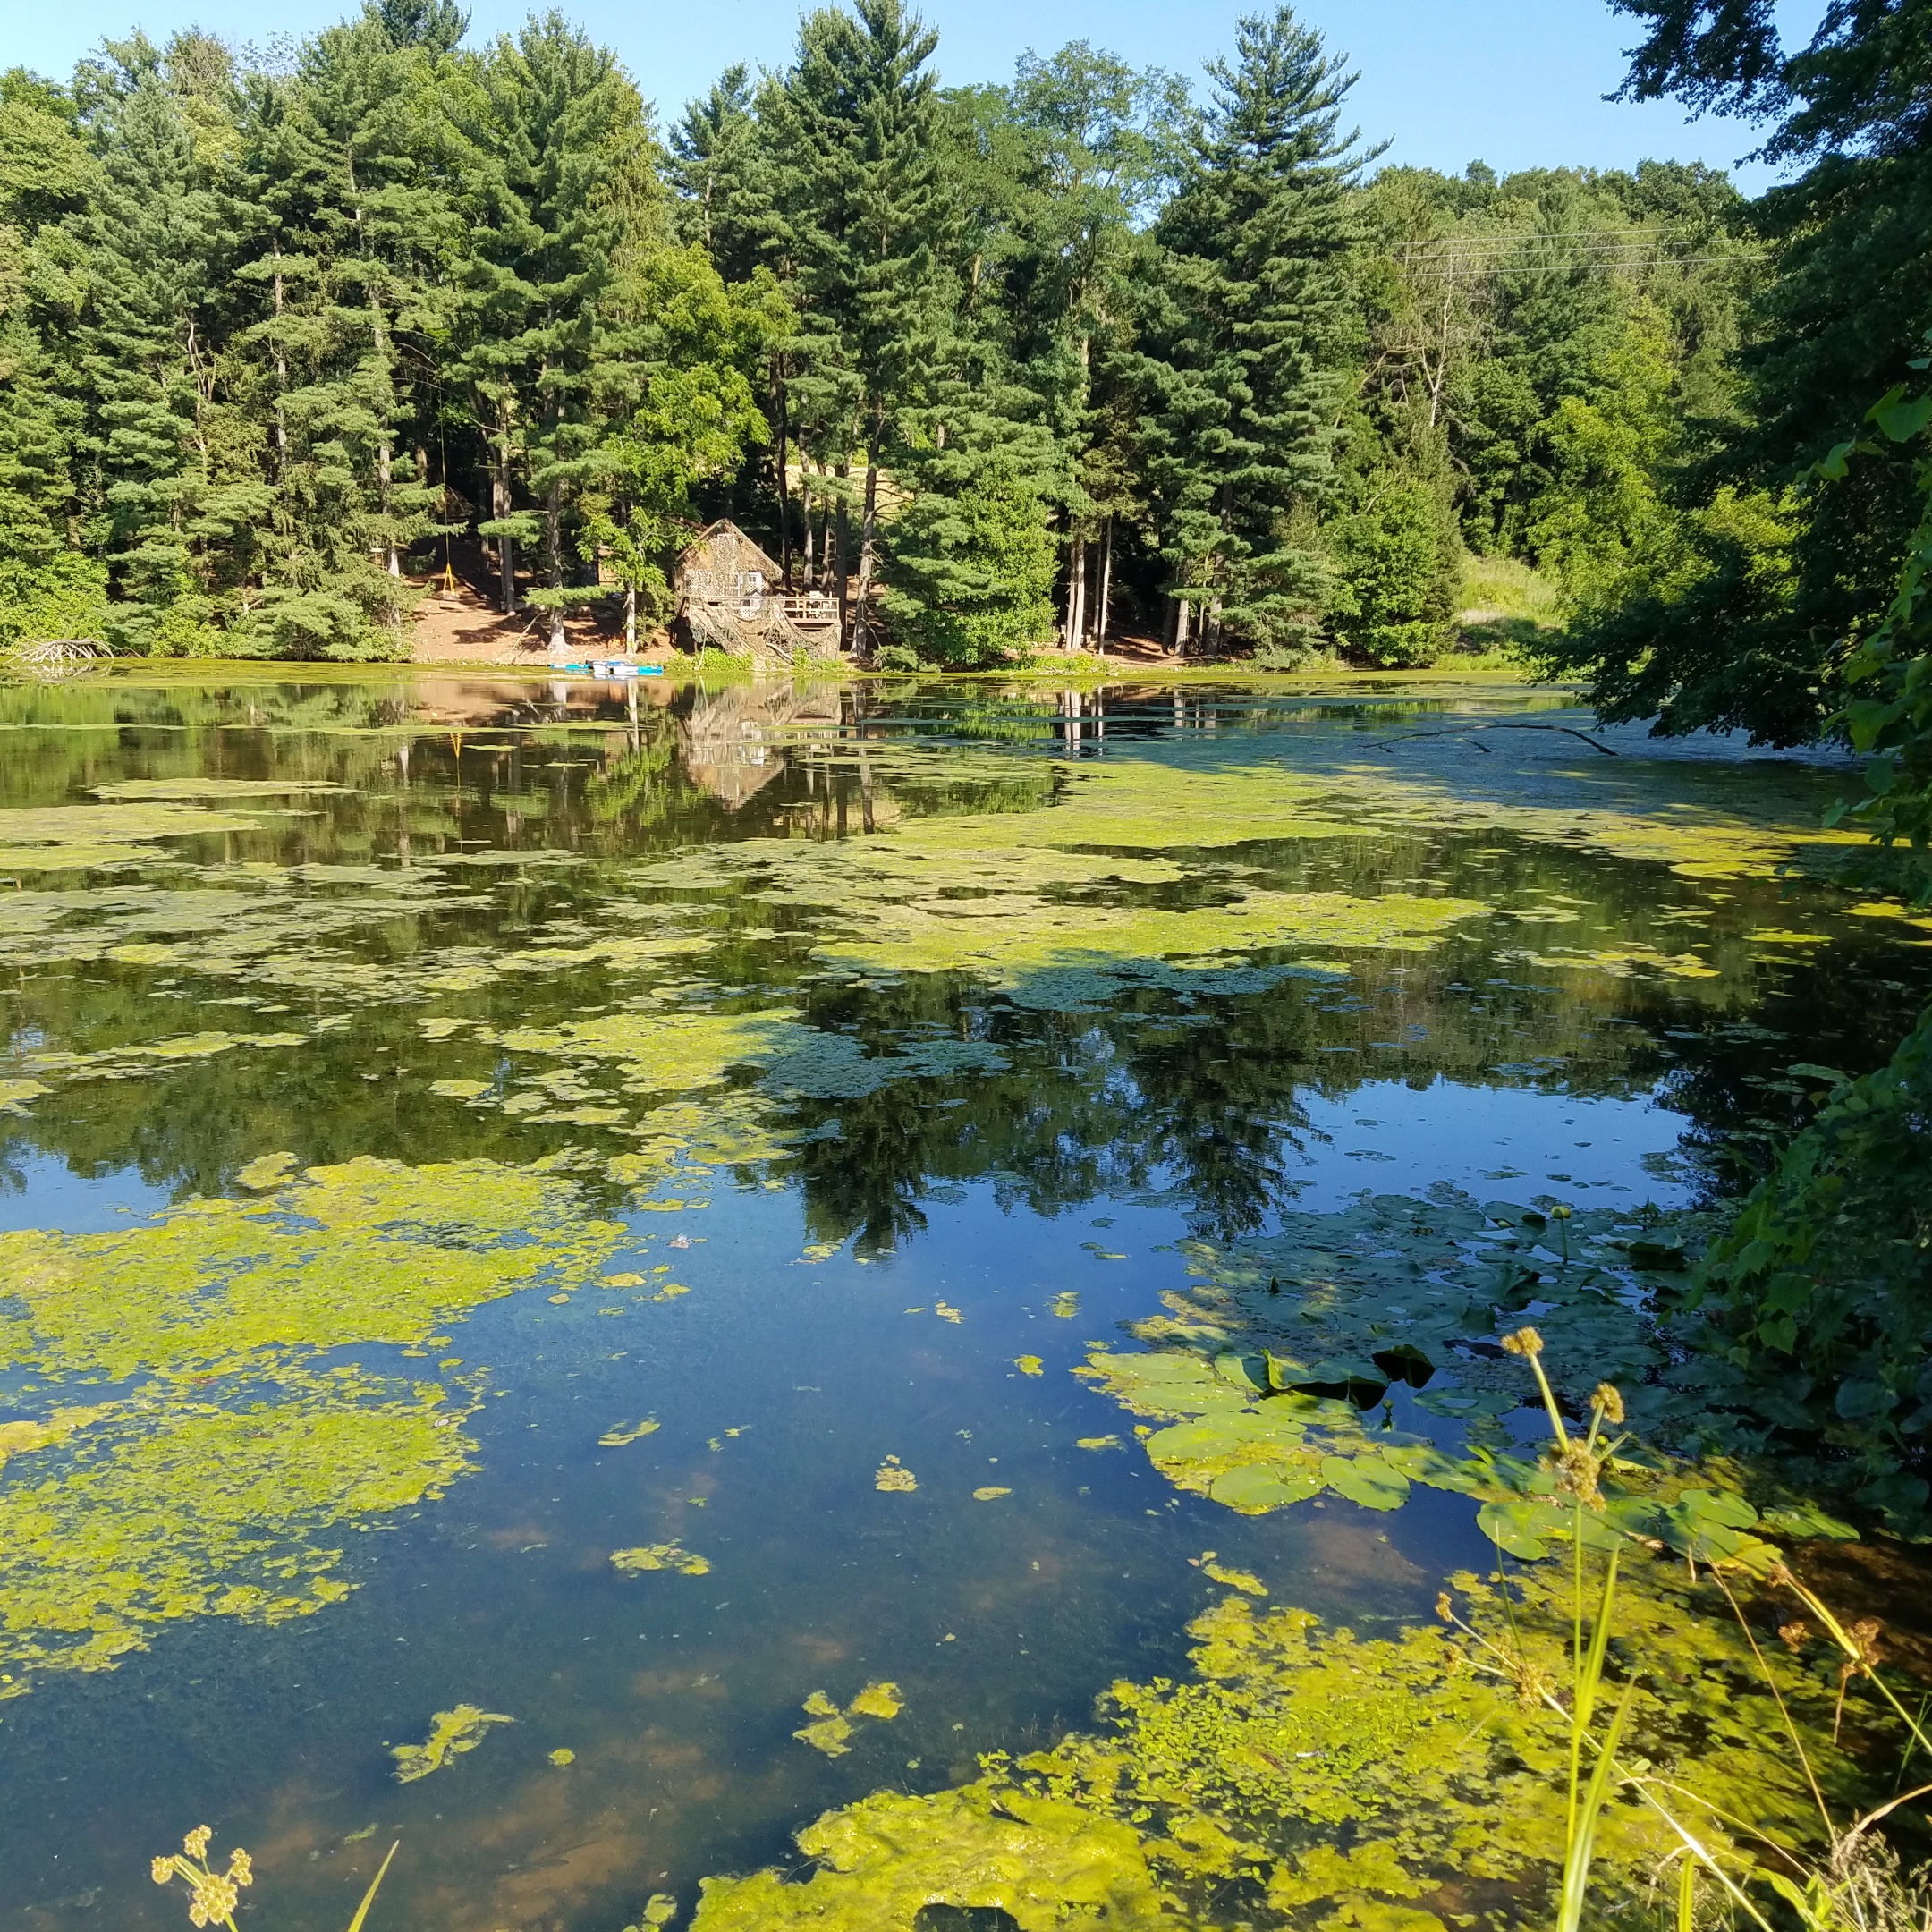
x=734, y=743
x=732, y=597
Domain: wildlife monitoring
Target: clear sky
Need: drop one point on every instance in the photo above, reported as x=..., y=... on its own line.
x=1515, y=83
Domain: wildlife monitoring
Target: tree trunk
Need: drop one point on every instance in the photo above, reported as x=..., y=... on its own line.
x=280, y=383
x=784, y=487
x=392, y=562
x=1107, y=583
x=868, y=530
x=1076, y=592
x=839, y=547
x=553, y=558
x=1183, y=610
x=812, y=553
x=630, y=619
x=500, y=507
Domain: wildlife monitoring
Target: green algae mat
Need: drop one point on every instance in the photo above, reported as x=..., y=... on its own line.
x=882, y=1306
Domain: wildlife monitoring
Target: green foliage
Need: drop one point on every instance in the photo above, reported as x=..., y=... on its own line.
x=1397, y=569
x=1327, y=1776
x=1246, y=333
x=970, y=569
x=1824, y=1282
x=1889, y=719
x=1831, y=324
x=866, y=215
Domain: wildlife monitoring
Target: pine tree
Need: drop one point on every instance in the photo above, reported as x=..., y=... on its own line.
x=563, y=172
x=971, y=570
x=1248, y=332
x=347, y=222
x=868, y=215
x=50, y=585
x=1099, y=141
x=176, y=458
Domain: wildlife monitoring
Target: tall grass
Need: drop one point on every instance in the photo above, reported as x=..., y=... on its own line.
x=1858, y=1886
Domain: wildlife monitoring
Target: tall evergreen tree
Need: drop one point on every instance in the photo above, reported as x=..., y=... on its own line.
x=1249, y=331
x=563, y=166
x=51, y=584
x=179, y=482
x=869, y=214
x=347, y=224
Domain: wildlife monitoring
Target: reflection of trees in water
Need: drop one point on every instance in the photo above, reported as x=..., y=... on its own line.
x=1204, y=1101
x=1733, y=1082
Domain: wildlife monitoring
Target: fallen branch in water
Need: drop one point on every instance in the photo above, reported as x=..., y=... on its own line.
x=1474, y=730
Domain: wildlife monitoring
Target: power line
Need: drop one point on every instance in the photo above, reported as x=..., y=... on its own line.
x=1600, y=260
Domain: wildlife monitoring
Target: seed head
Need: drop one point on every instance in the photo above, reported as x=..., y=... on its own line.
x=1523, y=1342
x=214, y=1900
x=1444, y=1609
x=162, y=1870
x=1577, y=1471
x=1793, y=1636
x=196, y=1843
x=1864, y=1634
x=1610, y=1401
x=240, y=1868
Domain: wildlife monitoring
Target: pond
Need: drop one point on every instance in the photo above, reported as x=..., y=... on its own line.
x=578, y=1261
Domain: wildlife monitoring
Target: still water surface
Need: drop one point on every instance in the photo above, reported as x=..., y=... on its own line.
x=851, y=1104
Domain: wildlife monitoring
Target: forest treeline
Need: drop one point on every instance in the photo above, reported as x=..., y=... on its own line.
x=998, y=365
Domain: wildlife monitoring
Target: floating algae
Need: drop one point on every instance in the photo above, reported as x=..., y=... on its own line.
x=1244, y=1580
x=136, y=791
x=142, y=1062
x=16, y=1438
x=893, y=1476
x=366, y=1251
x=619, y=1438
x=882, y=1700
x=831, y=1727
x=1215, y=840
x=1020, y=897
x=1334, y=1779
x=660, y=1556
x=167, y=1504
x=63, y=838
x=168, y=1508
x=656, y=1051
x=451, y=1733
x=15, y=1093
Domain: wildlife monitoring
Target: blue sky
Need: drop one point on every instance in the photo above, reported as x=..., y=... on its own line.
x=1513, y=82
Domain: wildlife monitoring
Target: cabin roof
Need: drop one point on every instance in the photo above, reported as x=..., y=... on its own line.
x=724, y=546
